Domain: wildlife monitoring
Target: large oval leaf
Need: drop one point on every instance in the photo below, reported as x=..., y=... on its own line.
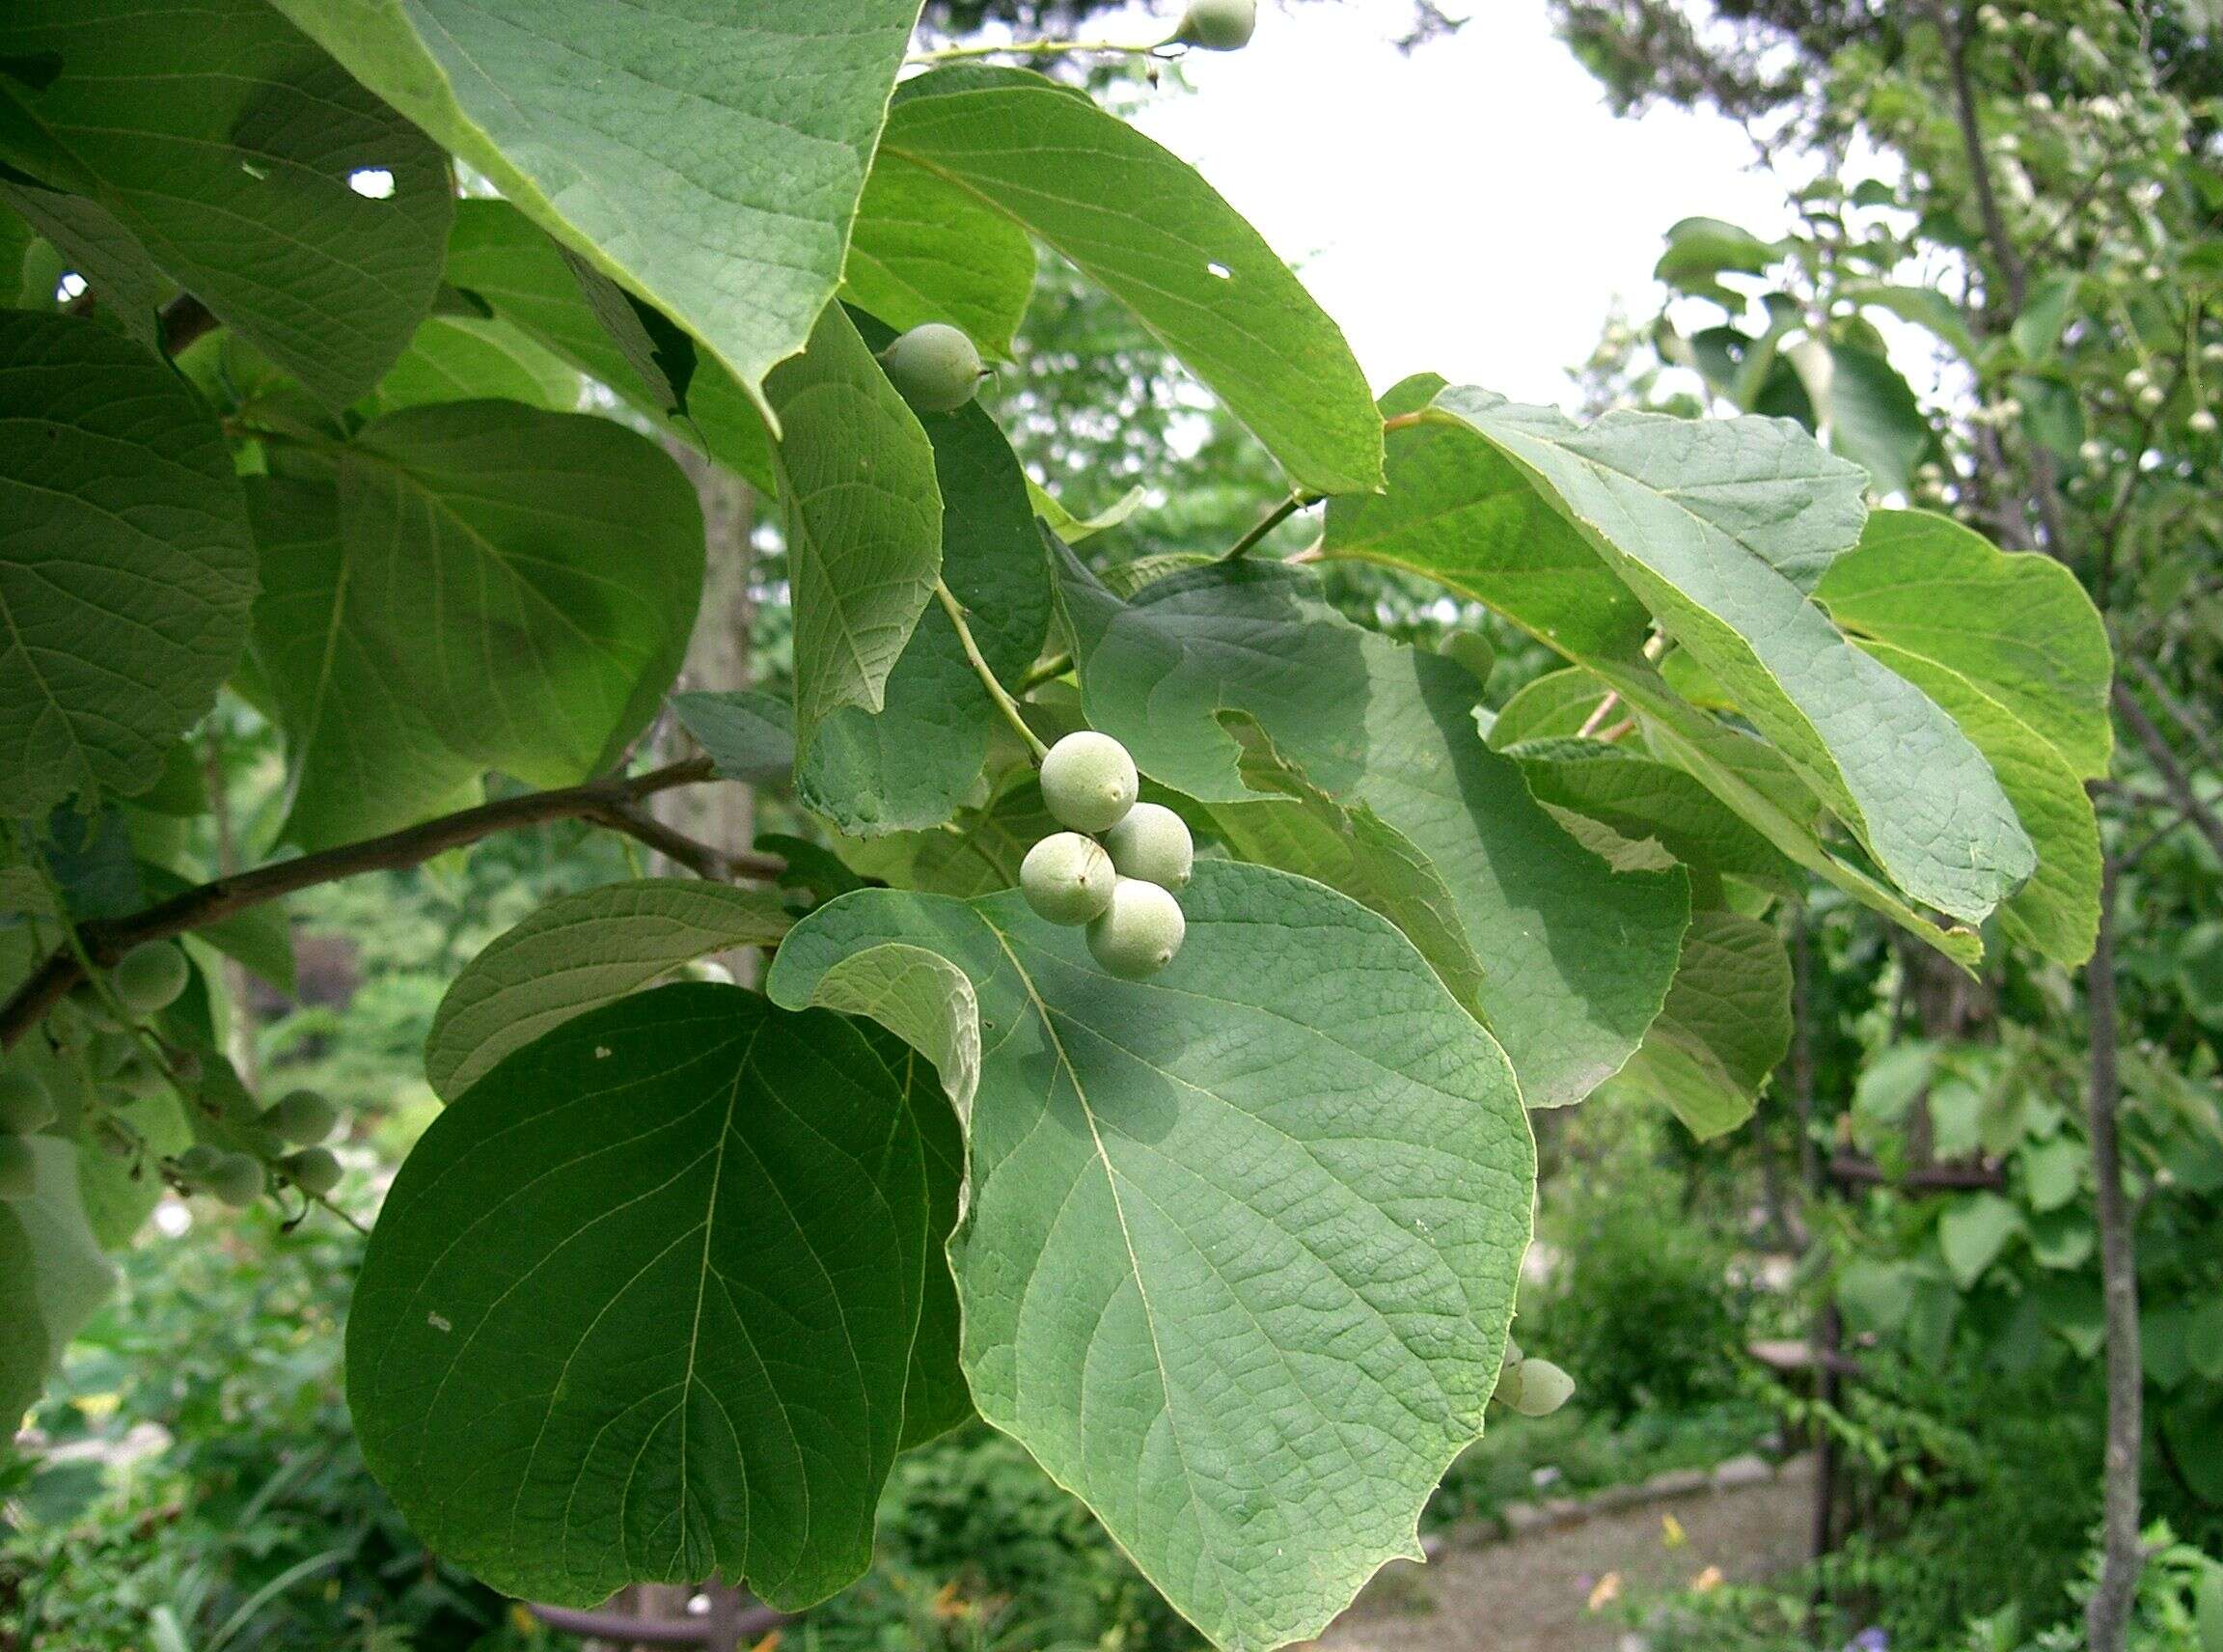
x=577, y=953
x=52, y=1275
x=126, y=573
x=1141, y=223
x=708, y=160
x=1243, y=1238
x=481, y=585
x=231, y=151
x=642, y=1305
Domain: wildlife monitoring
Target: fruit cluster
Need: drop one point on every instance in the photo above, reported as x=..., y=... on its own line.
x=1117, y=869
x=299, y=1120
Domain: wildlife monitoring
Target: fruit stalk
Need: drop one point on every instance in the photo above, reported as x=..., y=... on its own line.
x=1004, y=702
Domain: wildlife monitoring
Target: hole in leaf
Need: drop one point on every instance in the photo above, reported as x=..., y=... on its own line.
x=1221, y=271
x=372, y=182
x=72, y=285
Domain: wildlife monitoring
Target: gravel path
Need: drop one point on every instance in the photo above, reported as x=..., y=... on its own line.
x=1532, y=1593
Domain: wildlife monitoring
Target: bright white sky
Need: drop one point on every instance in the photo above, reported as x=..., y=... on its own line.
x=1471, y=208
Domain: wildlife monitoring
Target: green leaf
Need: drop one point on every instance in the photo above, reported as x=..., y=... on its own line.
x=927, y=252
x=481, y=585
x=2052, y=1172
x=52, y=1276
x=1925, y=306
x=500, y=257
x=127, y=574
x=464, y=358
x=1460, y=511
x=2010, y=646
x=1557, y=705
x=978, y=853
x=173, y=118
x=1724, y=527
x=2018, y=628
x=714, y=166
x=748, y=733
x=913, y=761
x=1353, y=850
x=920, y=997
x=641, y=1304
x=131, y=292
x=1371, y=723
x=1872, y=415
x=1265, y=1211
x=1726, y=1027
x=578, y=952
x=864, y=517
x=1140, y=223
x=1973, y=1233
x=1641, y=797
x=2037, y=330
x=1701, y=250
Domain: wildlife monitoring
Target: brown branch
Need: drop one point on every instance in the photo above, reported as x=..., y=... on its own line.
x=2174, y=780
x=718, y=866
x=1853, y=1170
x=604, y=802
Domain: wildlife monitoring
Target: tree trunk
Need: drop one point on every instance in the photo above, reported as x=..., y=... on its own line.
x=718, y=659
x=2108, y=1615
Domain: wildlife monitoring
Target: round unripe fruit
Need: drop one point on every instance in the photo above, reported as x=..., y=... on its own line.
x=1139, y=931
x=198, y=1163
x=1067, y=878
x=2201, y=422
x=312, y=1170
x=18, y=1169
x=302, y=1118
x=150, y=977
x=234, y=1178
x=1089, y=782
x=934, y=367
x=26, y=1104
x=1219, y=25
x=1151, y=842
x=1543, y=1389
x=2151, y=398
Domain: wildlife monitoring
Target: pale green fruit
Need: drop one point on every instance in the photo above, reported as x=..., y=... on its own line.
x=1543, y=1389
x=1151, y=842
x=934, y=367
x=1067, y=878
x=303, y=1118
x=195, y=1165
x=26, y=1104
x=235, y=1178
x=312, y=1170
x=1139, y=931
x=1219, y=25
x=1089, y=782
x=150, y=977
x=18, y=1169
x=2201, y=422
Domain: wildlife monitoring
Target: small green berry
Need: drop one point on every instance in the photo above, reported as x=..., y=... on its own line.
x=1089, y=782
x=2201, y=423
x=235, y=1178
x=1067, y=878
x=198, y=1163
x=934, y=367
x=26, y=1104
x=303, y=1118
x=1151, y=842
x=312, y=1170
x=1219, y=25
x=18, y=1168
x=150, y=977
x=1139, y=931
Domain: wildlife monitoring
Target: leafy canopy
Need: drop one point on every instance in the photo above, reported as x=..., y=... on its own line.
x=683, y=1265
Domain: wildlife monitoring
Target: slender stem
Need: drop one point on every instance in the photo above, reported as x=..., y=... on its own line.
x=1037, y=48
x=1048, y=670
x=1404, y=420
x=103, y=941
x=1590, y=723
x=2174, y=780
x=1267, y=523
x=1004, y=702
